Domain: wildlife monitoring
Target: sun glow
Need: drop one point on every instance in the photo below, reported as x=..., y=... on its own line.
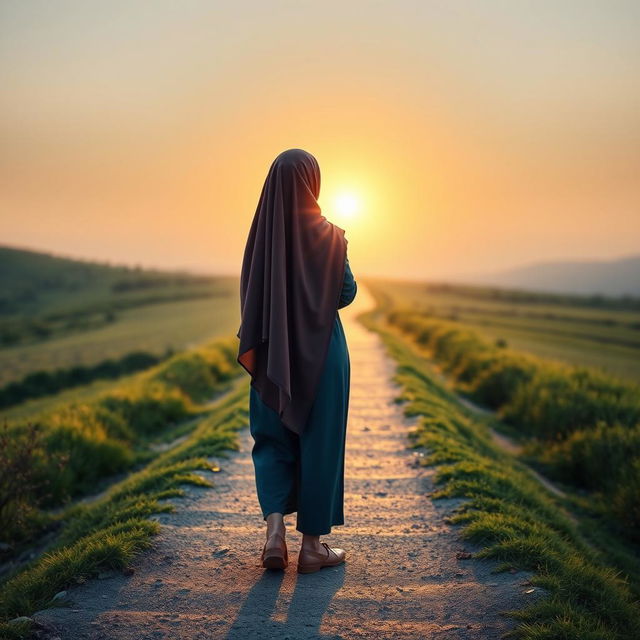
x=347, y=205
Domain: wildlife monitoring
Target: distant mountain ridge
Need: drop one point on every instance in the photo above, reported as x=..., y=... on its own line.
x=611, y=277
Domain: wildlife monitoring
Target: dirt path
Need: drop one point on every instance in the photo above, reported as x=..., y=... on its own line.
x=402, y=580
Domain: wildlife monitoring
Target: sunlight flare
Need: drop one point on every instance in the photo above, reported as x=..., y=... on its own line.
x=346, y=205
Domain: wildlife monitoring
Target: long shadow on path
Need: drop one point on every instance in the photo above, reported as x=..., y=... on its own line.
x=311, y=599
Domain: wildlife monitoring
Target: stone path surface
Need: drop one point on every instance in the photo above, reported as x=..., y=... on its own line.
x=402, y=580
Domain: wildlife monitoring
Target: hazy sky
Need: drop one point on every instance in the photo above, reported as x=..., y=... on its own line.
x=473, y=135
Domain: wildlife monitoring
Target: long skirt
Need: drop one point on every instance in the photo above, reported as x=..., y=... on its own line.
x=305, y=473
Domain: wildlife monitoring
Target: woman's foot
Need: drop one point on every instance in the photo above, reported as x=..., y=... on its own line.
x=315, y=554
x=274, y=553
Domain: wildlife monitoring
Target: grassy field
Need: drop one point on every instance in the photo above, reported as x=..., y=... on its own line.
x=57, y=290
x=578, y=425
x=591, y=580
x=151, y=328
x=595, y=332
x=72, y=449
x=57, y=313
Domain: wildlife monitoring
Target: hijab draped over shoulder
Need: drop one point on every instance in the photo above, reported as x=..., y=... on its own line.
x=292, y=274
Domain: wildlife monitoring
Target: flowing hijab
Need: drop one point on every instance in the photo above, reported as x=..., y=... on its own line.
x=292, y=275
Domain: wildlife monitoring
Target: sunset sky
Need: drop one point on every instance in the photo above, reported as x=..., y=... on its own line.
x=460, y=137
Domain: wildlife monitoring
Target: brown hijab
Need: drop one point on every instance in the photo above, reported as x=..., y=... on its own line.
x=292, y=274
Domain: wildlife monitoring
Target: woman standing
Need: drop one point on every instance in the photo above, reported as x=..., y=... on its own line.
x=295, y=276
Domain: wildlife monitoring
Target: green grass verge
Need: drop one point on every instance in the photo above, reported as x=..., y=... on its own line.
x=604, y=335
x=583, y=426
x=66, y=452
x=107, y=534
x=514, y=519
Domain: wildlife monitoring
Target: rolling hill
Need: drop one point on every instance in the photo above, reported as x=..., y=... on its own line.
x=611, y=278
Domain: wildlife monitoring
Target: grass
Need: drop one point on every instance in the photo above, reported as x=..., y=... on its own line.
x=595, y=332
x=108, y=533
x=66, y=452
x=57, y=312
x=515, y=520
x=176, y=325
x=583, y=426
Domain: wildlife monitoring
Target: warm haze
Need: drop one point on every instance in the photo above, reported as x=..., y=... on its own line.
x=481, y=344
x=453, y=138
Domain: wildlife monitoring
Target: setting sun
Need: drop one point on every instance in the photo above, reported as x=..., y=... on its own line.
x=347, y=205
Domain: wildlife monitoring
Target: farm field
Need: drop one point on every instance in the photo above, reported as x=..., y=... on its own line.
x=151, y=328
x=57, y=313
x=578, y=330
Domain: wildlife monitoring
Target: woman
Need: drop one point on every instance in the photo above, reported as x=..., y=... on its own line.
x=295, y=276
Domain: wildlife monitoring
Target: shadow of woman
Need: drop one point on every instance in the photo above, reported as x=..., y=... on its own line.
x=311, y=598
x=259, y=605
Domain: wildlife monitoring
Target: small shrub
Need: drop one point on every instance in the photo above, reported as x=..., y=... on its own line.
x=22, y=456
x=500, y=379
x=598, y=459
x=625, y=500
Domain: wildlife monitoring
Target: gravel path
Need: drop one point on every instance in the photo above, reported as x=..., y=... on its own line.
x=402, y=580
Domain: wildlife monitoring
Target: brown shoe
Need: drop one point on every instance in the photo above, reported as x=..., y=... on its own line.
x=310, y=561
x=274, y=554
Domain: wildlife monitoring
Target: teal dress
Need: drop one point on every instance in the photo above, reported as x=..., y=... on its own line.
x=305, y=473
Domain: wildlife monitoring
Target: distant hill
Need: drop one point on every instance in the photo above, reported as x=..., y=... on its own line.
x=37, y=281
x=610, y=278
x=43, y=295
